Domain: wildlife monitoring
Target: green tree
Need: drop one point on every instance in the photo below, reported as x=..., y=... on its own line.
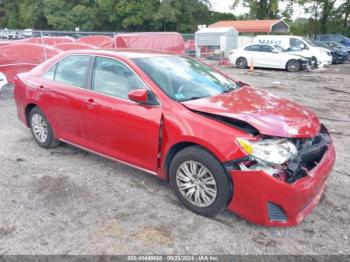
x=82, y=17
x=9, y=10
x=31, y=14
x=260, y=9
x=57, y=14
x=344, y=12
x=66, y=15
x=137, y=14
x=107, y=16
x=320, y=11
x=217, y=16
x=183, y=15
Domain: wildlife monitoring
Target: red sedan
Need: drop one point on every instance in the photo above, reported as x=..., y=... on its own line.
x=221, y=143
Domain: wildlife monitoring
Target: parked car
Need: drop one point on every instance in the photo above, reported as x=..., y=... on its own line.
x=269, y=57
x=337, y=46
x=28, y=32
x=338, y=56
x=190, y=47
x=220, y=143
x=299, y=45
x=334, y=38
x=9, y=34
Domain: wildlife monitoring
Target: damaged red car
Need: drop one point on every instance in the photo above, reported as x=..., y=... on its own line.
x=221, y=143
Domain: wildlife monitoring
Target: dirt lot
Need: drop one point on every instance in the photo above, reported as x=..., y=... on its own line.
x=67, y=201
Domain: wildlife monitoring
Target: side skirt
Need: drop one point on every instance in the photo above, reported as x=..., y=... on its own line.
x=109, y=157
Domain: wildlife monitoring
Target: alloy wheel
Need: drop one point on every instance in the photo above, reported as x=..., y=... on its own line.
x=294, y=66
x=196, y=183
x=39, y=127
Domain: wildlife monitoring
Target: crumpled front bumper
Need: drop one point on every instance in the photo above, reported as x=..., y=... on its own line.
x=254, y=192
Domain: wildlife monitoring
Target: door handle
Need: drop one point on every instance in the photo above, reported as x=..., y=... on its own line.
x=90, y=102
x=42, y=88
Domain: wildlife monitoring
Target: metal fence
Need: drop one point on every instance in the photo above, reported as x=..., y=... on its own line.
x=10, y=34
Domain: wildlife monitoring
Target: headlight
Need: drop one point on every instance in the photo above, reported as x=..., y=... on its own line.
x=272, y=151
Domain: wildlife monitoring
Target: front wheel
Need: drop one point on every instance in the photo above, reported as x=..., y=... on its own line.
x=293, y=66
x=314, y=61
x=200, y=181
x=41, y=129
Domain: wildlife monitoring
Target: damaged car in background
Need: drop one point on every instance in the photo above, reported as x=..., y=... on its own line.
x=270, y=56
x=220, y=143
x=339, y=54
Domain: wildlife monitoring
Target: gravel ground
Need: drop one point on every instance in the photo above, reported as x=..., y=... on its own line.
x=67, y=201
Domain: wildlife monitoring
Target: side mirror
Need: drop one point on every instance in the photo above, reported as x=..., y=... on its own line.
x=139, y=96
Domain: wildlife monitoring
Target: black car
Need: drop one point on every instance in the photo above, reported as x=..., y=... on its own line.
x=335, y=38
x=338, y=55
x=337, y=46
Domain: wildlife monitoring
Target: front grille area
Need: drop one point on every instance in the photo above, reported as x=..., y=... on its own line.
x=276, y=213
x=310, y=154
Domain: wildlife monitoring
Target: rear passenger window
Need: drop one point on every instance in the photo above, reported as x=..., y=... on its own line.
x=72, y=70
x=266, y=48
x=112, y=77
x=50, y=74
x=254, y=48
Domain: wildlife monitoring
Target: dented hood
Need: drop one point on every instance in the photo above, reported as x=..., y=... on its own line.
x=271, y=115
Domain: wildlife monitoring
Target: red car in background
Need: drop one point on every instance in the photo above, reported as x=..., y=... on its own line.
x=221, y=143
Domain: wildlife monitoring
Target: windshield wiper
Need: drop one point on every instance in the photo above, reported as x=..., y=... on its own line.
x=240, y=84
x=228, y=91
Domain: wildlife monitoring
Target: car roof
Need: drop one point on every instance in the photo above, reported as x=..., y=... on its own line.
x=327, y=34
x=279, y=36
x=260, y=45
x=125, y=53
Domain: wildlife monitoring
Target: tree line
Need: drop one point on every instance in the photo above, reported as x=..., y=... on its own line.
x=109, y=15
x=325, y=16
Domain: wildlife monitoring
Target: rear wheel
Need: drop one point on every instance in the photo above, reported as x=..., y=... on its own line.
x=200, y=181
x=293, y=66
x=241, y=63
x=41, y=129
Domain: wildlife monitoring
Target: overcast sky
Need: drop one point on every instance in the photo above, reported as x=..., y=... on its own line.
x=224, y=6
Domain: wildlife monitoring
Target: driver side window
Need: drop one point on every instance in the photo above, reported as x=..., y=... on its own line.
x=253, y=48
x=297, y=44
x=114, y=78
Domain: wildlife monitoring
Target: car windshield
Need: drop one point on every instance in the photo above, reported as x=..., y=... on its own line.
x=309, y=42
x=334, y=44
x=344, y=38
x=184, y=79
x=321, y=44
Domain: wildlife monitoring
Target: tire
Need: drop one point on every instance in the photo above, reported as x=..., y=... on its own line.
x=314, y=61
x=241, y=63
x=293, y=66
x=41, y=129
x=213, y=172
